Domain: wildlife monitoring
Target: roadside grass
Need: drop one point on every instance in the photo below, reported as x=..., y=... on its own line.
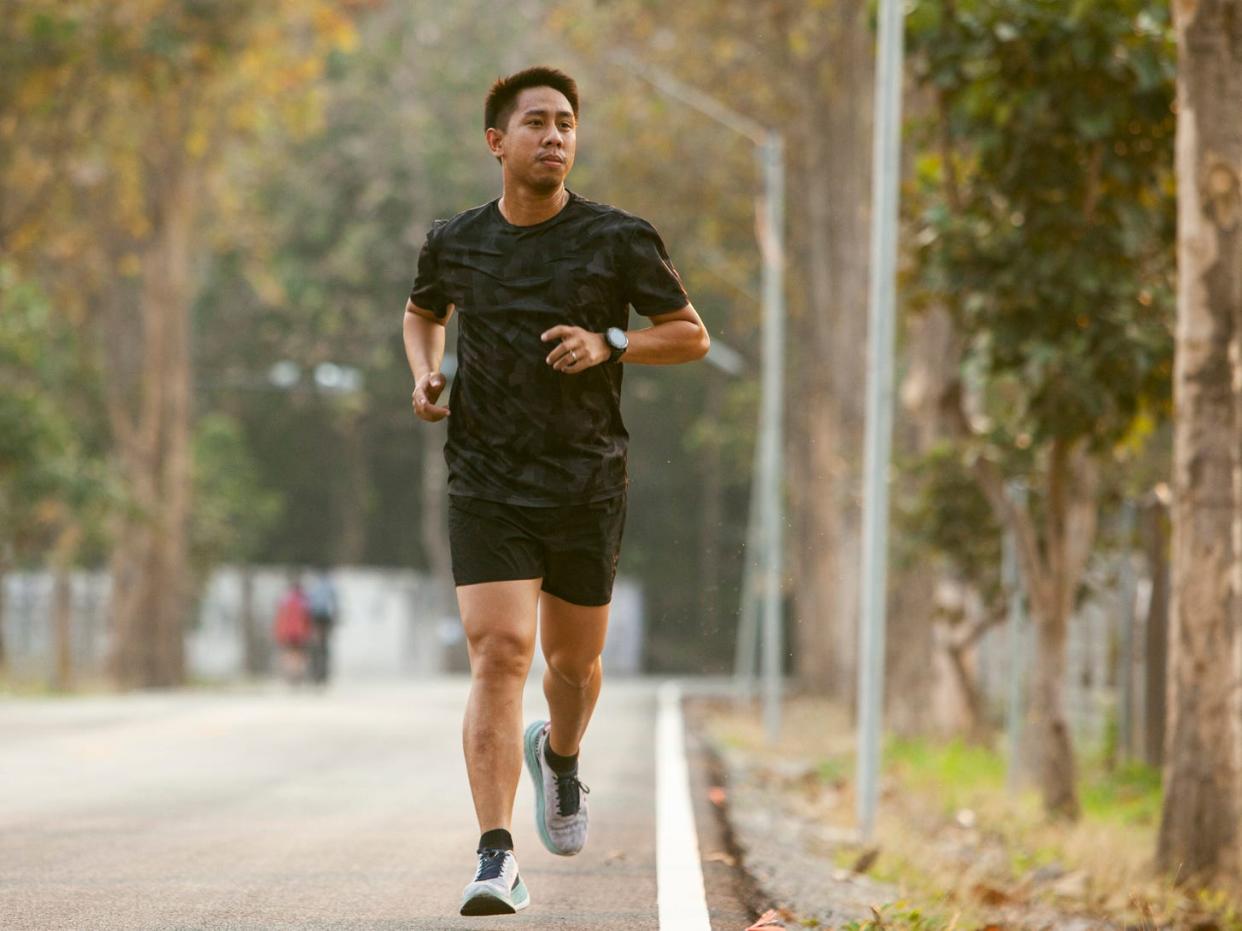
x=28, y=686
x=964, y=852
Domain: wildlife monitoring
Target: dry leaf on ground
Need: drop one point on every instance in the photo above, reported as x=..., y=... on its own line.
x=768, y=921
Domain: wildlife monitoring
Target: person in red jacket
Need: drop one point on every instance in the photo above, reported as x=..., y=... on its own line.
x=293, y=630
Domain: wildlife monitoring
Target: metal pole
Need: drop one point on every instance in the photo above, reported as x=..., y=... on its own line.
x=1016, y=712
x=886, y=157
x=772, y=154
x=747, y=649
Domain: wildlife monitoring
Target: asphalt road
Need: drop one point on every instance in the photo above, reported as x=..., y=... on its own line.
x=271, y=809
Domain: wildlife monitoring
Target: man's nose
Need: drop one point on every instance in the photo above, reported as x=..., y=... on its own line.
x=554, y=136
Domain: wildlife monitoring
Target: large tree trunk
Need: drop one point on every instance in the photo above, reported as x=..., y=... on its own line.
x=837, y=178
x=150, y=569
x=1199, y=827
x=923, y=695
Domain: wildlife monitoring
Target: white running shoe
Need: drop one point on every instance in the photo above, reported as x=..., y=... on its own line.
x=497, y=888
x=560, y=801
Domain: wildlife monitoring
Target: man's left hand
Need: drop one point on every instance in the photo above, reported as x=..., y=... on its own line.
x=578, y=349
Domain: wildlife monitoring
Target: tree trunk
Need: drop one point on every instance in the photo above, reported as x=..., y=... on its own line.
x=62, y=626
x=923, y=695
x=957, y=653
x=1055, y=750
x=837, y=178
x=1053, y=559
x=1155, y=544
x=1199, y=826
x=910, y=679
x=150, y=569
x=1071, y=509
x=253, y=652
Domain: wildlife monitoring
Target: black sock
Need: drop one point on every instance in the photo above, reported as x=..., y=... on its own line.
x=561, y=765
x=496, y=839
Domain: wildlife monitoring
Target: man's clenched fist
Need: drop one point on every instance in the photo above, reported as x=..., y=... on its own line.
x=426, y=393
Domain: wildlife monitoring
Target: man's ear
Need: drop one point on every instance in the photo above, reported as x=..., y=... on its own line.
x=495, y=141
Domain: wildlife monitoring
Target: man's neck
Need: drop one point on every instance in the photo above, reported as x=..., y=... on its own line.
x=526, y=208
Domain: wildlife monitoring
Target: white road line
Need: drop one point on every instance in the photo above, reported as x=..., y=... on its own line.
x=679, y=872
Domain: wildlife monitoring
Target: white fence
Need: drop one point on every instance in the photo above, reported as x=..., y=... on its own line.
x=389, y=625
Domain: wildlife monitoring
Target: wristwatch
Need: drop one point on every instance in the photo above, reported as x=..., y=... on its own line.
x=617, y=341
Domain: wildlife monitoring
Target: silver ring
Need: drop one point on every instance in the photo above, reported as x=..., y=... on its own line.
x=573, y=355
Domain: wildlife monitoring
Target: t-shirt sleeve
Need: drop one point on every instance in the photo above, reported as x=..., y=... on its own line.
x=649, y=281
x=428, y=291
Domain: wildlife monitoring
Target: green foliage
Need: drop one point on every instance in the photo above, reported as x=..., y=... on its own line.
x=940, y=511
x=1045, y=212
x=52, y=476
x=903, y=915
x=34, y=430
x=232, y=509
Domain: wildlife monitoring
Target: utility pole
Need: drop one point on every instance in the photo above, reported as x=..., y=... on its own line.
x=886, y=159
x=762, y=590
x=771, y=426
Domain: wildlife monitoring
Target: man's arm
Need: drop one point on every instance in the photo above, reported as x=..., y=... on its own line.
x=423, y=333
x=673, y=337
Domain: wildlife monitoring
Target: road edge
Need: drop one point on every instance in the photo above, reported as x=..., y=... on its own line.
x=681, y=898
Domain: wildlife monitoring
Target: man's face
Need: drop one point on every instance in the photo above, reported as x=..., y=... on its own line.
x=538, y=145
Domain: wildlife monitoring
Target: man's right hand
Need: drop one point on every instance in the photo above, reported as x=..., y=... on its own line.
x=426, y=393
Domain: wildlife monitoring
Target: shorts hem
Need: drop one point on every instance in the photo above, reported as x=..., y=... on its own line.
x=575, y=600
x=498, y=498
x=459, y=583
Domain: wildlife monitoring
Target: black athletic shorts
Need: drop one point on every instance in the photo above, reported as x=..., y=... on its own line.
x=573, y=548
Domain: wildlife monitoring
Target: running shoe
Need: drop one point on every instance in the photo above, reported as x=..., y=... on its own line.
x=560, y=801
x=497, y=888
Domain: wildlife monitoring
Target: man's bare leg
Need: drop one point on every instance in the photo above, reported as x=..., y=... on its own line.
x=499, y=619
x=573, y=639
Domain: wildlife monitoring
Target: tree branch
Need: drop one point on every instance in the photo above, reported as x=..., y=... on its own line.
x=1091, y=194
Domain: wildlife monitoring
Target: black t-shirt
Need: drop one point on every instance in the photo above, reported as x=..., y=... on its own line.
x=520, y=432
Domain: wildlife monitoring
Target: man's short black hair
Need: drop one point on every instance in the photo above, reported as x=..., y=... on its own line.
x=502, y=98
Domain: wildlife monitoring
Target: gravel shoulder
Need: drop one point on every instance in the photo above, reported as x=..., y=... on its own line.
x=790, y=816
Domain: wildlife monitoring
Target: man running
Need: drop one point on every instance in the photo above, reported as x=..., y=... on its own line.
x=543, y=280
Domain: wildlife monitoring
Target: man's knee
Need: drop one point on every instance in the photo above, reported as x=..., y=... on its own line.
x=498, y=655
x=576, y=672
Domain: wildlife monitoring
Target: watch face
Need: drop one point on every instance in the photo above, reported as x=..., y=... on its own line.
x=616, y=338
